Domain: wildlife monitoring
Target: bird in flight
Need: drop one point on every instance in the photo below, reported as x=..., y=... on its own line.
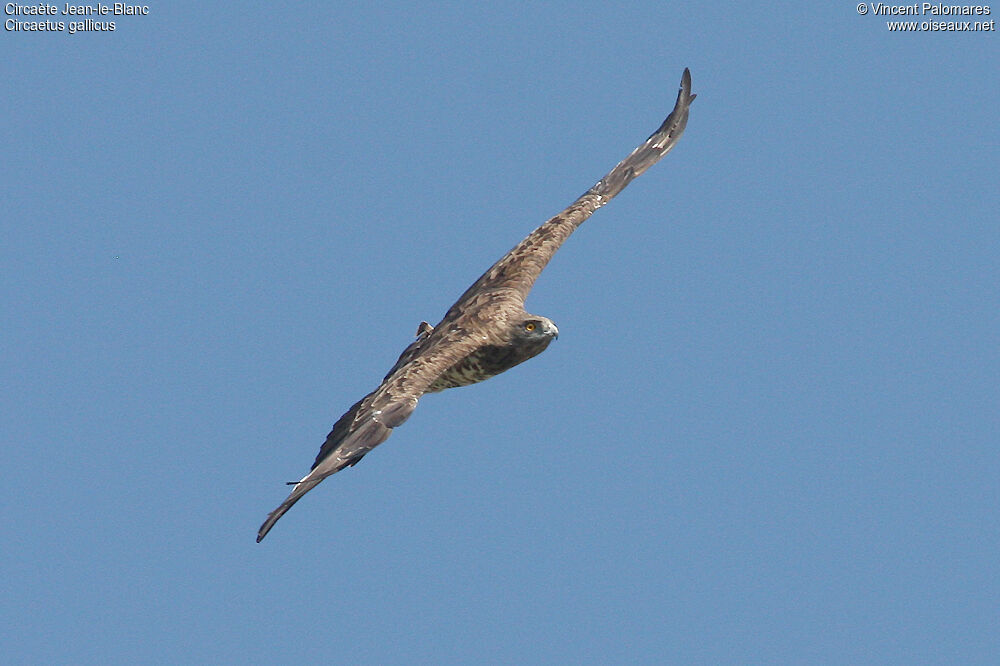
x=486, y=331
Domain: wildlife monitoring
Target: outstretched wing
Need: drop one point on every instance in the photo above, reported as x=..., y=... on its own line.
x=515, y=274
x=370, y=421
x=356, y=433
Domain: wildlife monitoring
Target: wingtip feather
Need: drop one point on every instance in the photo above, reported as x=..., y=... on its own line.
x=685, y=90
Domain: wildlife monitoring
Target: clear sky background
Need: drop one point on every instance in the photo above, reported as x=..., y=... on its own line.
x=767, y=433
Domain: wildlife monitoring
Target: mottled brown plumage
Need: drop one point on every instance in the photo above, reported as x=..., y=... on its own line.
x=486, y=331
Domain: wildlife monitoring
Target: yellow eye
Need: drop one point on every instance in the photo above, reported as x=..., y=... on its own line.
x=529, y=327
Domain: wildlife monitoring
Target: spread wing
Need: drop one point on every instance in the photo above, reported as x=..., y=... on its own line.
x=370, y=421
x=515, y=274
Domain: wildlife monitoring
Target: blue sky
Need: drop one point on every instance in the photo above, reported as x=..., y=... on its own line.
x=767, y=432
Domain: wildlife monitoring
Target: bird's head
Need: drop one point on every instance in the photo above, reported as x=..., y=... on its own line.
x=536, y=327
x=534, y=333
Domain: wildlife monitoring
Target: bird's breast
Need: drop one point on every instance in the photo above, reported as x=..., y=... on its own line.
x=485, y=362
